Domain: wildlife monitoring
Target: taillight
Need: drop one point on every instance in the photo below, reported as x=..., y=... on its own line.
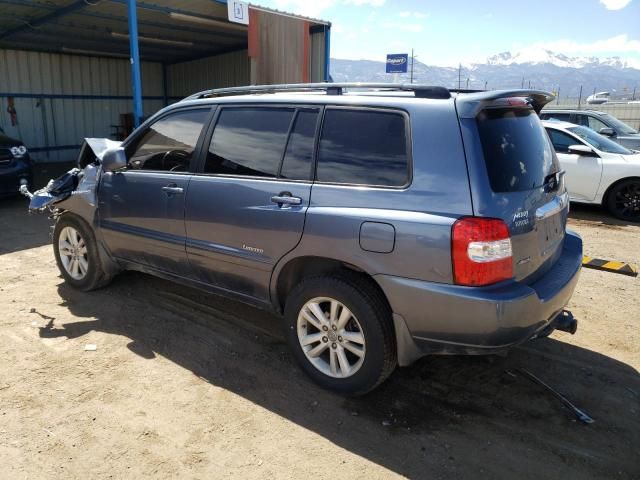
x=481, y=251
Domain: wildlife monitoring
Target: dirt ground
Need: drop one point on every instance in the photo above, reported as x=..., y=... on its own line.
x=189, y=385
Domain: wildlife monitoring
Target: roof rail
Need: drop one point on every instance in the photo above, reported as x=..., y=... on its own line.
x=419, y=90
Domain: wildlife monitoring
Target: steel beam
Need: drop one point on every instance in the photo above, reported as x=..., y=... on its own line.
x=327, y=52
x=136, y=80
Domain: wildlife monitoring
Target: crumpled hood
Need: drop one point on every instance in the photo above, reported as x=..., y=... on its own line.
x=99, y=146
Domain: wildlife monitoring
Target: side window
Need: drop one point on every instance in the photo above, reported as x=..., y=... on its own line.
x=299, y=155
x=581, y=120
x=249, y=141
x=363, y=147
x=561, y=141
x=595, y=124
x=564, y=117
x=169, y=143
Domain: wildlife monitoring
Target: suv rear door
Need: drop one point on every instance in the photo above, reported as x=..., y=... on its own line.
x=246, y=205
x=515, y=176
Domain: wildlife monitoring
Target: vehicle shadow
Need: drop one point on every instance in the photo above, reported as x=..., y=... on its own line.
x=449, y=417
x=595, y=214
x=20, y=229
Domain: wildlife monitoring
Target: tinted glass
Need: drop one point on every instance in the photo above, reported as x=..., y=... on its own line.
x=598, y=141
x=619, y=126
x=561, y=141
x=169, y=143
x=595, y=124
x=564, y=117
x=581, y=120
x=249, y=141
x=516, y=148
x=299, y=154
x=363, y=147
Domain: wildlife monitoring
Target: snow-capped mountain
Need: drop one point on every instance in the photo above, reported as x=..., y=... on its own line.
x=534, y=67
x=537, y=56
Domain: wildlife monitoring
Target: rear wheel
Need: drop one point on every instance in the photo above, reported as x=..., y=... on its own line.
x=623, y=201
x=340, y=332
x=76, y=252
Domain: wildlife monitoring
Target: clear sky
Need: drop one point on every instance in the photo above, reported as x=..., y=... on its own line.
x=446, y=32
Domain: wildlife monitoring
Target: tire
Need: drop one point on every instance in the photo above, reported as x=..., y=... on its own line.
x=623, y=200
x=75, y=242
x=366, y=338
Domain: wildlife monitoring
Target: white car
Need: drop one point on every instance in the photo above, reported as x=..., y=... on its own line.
x=598, y=170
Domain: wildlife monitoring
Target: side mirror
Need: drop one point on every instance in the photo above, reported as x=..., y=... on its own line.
x=606, y=131
x=581, y=150
x=114, y=159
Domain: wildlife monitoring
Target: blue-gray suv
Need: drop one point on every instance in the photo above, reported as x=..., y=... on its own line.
x=384, y=223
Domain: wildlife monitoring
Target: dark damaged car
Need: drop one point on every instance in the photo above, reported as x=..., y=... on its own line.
x=15, y=165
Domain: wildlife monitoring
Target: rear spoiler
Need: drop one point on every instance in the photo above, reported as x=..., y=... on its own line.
x=470, y=104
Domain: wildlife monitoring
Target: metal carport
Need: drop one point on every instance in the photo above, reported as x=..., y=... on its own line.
x=62, y=62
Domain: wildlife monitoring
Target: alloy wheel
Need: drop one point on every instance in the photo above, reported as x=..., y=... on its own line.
x=73, y=253
x=627, y=201
x=331, y=337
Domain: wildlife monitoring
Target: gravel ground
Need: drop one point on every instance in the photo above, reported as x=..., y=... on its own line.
x=189, y=385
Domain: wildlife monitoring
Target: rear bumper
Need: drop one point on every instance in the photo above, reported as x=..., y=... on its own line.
x=451, y=319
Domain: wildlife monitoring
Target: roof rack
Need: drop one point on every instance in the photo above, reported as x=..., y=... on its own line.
x=419, y=90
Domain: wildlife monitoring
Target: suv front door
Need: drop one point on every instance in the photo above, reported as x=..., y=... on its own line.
x=246, y=207
x=141, y=208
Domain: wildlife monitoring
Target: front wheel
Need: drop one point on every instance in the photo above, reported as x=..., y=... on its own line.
x=623, y=201
x=341, y=333
x=76, y=252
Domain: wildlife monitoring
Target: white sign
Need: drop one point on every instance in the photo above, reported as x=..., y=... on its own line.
x=238, y=12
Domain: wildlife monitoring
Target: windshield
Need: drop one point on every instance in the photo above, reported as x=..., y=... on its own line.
x=619, y=126
x=598, y=141
x=516, y=148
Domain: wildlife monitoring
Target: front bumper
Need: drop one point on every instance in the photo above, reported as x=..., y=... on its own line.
x=452, y=319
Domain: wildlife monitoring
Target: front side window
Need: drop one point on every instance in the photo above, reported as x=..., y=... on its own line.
x=619, y=126
x=363, y=147
x=561, y=141
x=598, y=141
x=595, y=124
x=169, y=143
x=249, y=141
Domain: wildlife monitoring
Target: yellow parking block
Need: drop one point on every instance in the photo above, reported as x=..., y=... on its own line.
x=610, y=266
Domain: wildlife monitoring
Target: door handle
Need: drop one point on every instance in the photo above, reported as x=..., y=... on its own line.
x=285, y=198
x=173, y=189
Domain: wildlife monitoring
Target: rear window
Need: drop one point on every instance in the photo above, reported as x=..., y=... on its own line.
x=517, y=150
x=363, y=147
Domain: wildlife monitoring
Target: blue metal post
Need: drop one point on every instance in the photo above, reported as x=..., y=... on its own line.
x=327, y=52
x=135, y=62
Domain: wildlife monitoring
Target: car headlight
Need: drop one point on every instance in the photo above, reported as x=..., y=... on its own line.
x=18, y=152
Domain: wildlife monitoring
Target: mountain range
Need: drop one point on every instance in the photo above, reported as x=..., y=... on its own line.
x=534, y=67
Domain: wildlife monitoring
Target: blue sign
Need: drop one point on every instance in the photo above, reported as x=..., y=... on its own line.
x=397, y=62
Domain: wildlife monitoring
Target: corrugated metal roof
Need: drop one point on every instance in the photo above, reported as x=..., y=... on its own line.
x=170, y=30
x=79, y=26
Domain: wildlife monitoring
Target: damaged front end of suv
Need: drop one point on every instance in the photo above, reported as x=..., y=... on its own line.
x=75, y=190
x=71, y=201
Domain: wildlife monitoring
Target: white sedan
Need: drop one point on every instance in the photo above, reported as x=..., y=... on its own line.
x=598, y=170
